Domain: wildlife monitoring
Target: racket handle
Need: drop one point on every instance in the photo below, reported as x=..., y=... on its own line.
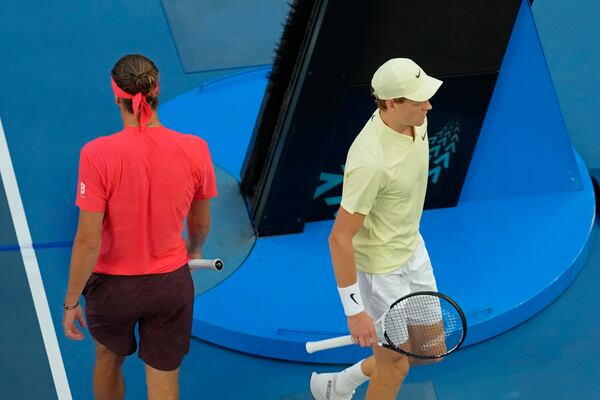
x=200, y=263
x=332, y=343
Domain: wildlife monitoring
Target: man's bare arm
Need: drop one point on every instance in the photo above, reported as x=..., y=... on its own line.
x=346, y=225
x=86, y=248
x=198, y=225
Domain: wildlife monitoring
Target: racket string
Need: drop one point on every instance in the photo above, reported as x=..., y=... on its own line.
x=424, y=325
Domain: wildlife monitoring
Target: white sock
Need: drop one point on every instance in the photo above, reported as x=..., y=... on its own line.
x=350, y=378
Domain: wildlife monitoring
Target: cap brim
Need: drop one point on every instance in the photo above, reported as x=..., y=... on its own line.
x=426, y=91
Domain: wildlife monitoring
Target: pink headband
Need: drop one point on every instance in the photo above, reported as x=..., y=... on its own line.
x=138, y=101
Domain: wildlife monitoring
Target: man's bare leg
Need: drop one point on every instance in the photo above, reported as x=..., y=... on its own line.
x=389, y=372
x=108, y=376
x=367, y=365
x=427, y=340
x=162, y=385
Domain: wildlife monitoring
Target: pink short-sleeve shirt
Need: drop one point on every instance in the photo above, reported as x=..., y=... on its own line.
x=145, y=183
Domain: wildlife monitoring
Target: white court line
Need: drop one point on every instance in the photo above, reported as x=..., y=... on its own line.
x=32, y=270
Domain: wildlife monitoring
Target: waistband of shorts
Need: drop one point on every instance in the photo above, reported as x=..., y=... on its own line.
x=111, y=276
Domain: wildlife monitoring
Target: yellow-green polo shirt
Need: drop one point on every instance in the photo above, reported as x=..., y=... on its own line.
x=385, y=179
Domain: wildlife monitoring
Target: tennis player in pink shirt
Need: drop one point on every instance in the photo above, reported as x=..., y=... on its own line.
x=129, y=259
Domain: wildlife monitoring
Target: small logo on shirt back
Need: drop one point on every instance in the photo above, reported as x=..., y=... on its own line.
x=82, y=189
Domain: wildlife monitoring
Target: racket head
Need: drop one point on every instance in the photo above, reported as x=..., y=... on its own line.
x=425, y=325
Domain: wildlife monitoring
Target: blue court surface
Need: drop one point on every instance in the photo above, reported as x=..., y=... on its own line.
x=55, y=96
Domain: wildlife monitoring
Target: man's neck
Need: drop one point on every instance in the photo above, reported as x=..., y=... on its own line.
x=395, y=126
x=130, y=120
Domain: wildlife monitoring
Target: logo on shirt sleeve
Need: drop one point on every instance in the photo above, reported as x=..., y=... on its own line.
x=82, y=189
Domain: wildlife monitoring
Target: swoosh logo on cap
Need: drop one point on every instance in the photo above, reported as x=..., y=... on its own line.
x=419, y=74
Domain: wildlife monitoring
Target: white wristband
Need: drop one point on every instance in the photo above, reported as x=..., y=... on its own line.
x=351, y=299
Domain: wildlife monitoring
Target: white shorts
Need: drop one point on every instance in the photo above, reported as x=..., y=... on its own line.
x=379, y=291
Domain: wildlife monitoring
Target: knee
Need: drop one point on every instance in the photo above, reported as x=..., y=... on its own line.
x=400, y=367
x=105, y=356
x=397, y=369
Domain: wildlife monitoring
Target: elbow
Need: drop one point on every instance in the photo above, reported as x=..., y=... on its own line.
x=89, y=243
x=332, y=240
x=335, y=240
x=201, y=228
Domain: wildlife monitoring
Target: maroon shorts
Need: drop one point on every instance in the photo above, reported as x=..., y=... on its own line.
x=161, y=304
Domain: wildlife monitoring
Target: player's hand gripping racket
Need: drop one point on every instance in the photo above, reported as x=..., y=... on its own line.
x=200, y=263
x=426, y=325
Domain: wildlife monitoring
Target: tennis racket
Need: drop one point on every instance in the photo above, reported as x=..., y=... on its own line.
x=426, y=325
x=200, y=263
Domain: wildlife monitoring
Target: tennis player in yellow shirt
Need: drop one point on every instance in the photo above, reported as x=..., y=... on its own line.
x=377, y=251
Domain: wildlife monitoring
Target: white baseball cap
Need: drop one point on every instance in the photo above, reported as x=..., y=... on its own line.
x=402, y=77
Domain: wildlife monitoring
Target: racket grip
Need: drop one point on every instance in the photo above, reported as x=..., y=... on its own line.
x=200, y=263
x=332, y=343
